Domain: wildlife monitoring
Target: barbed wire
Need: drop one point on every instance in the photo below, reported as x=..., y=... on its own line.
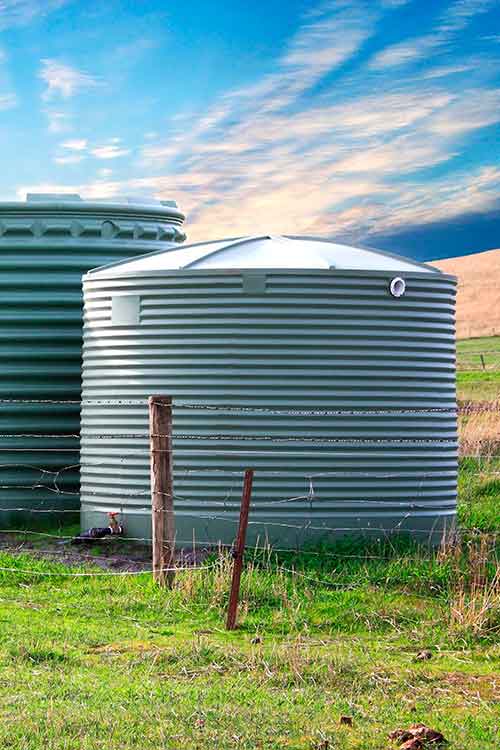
x=211, y=407
x=454, y=528
x=293, y=572
x=229, y=505
x=267, y=551
x=305, y=412
x=183, y=472
x=64, y=537
x=235, y=452
x=221, y=437
x=367, y=502
x=306, y=439
x=31, y=449
x=40, y=401
x=244, y=409
x=384, y=532
x=308, y=526
x=314, y=578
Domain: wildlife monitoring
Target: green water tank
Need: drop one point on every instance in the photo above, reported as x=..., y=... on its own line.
x=46, y=243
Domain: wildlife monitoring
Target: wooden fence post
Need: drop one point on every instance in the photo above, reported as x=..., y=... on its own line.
x=239, y=549
x=162, y=501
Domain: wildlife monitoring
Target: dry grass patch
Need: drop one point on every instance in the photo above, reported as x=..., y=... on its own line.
x=479, y=429
x=474, y=607
x=478, y=294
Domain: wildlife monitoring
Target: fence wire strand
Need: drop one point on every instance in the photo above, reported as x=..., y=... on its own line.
x=50, y=480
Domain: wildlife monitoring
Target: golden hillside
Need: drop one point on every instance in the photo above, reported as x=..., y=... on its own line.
x=478, y=298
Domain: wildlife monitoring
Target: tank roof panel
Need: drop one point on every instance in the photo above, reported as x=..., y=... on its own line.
x=266, y=252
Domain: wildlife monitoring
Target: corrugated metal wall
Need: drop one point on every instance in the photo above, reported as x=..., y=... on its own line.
x=319, y=340
x=45, y=246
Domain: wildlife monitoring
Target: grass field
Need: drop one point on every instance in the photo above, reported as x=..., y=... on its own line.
x=117, y=663
x=114, y=663
x=478, y=381
x=474, y=382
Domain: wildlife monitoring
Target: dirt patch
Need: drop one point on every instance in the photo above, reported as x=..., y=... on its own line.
x=108, y=553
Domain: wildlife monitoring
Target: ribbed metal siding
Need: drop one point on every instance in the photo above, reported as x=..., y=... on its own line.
x=314, y=340
x=44, y=249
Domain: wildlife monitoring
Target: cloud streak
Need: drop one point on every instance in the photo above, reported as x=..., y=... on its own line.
x=63, y=80
x=455, y=19
x=23, y=12
x=76, y=144
x=111, y=150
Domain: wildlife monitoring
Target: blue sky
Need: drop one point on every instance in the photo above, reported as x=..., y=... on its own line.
x=376, y=122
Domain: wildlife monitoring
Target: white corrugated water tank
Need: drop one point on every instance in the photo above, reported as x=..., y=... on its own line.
x=328, y=369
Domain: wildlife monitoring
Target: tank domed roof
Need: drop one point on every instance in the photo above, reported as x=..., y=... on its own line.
x=266, y=252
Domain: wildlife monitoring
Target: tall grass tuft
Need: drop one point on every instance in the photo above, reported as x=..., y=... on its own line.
x=474, y=607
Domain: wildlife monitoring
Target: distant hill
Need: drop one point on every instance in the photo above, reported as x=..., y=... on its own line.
x=478, y=298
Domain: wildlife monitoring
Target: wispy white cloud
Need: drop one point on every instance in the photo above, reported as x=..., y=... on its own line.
x=475, y=191
x=460, y=13
x=454, y=19
x=63, y=80
x=111, y=150
x=23, y=12
x=323, y=44
x=473, y=109
x=75, y=144
x=328, y=42
x=79, y=149
x=446, y=70
x=330, y=168
x=405, y=52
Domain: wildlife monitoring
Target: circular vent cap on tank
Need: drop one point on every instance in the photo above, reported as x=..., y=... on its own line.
x=46, y=244
x=299, y=357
